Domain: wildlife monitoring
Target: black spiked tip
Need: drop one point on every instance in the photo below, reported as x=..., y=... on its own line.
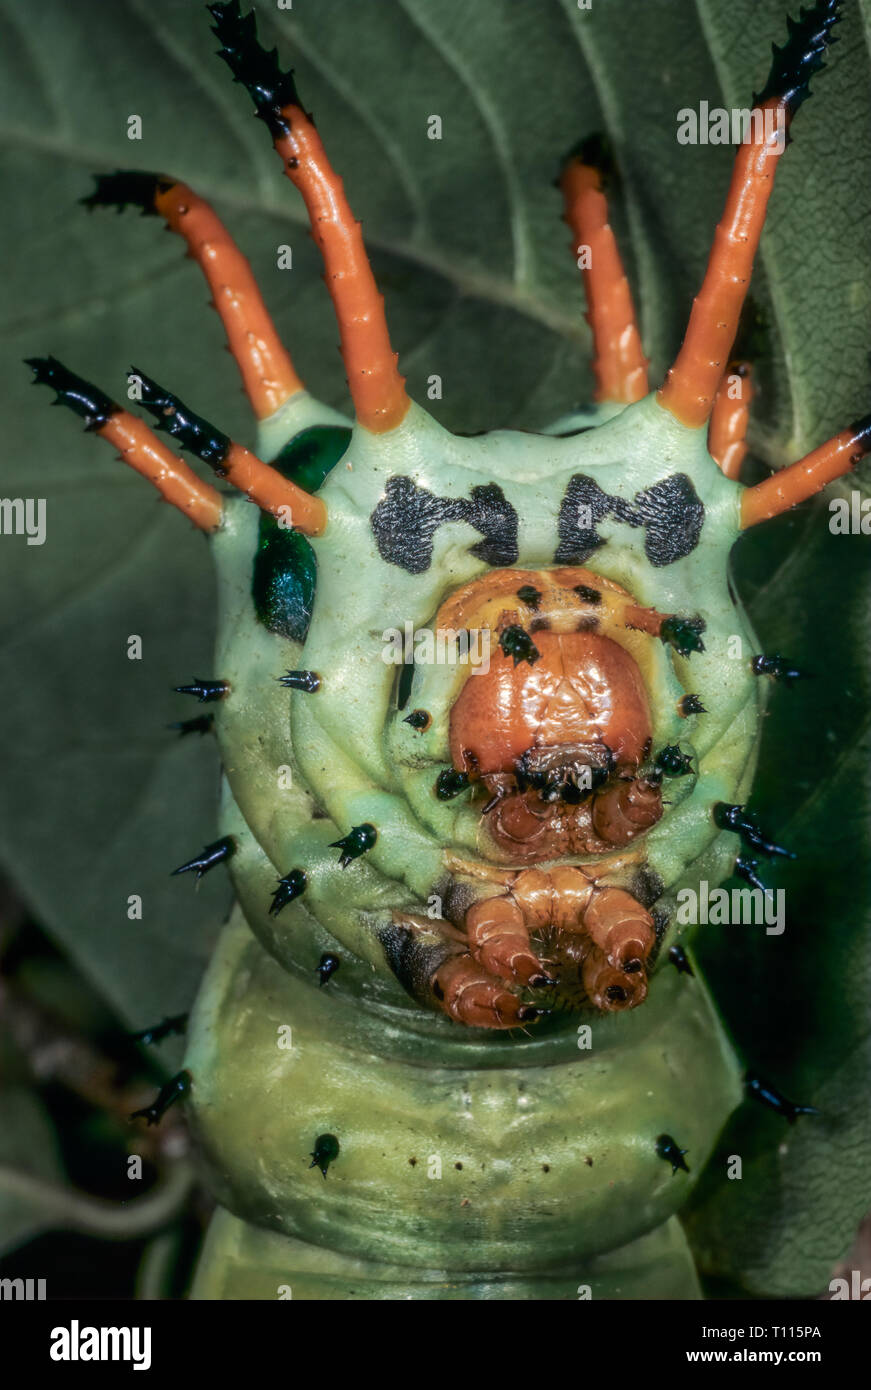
x=667, y=1148
x=671, y=762
x=175, y=1089
x=200, y=724
x=127, y=188
x=450, y=783
x=680, y=960
x=801, y=56
x=326, y=968
x=173, y=417
x=207, y=858
x=325, y=1152
x=177, y=1024
x=684, y=634
x=308, y=681
x=73, y=391
x=779, y=667
x=745, y=867
x=691, y=704
x=205, y=691
x=517, y=643
x=258, y=70
x=358, y=839
x=762, y=1090
x=288, y=888
x=746, y=824
x=418, y=719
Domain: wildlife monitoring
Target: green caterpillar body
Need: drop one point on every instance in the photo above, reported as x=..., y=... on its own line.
x=545, y=1149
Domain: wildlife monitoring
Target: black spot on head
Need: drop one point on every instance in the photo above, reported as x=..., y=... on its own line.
x=588, y=594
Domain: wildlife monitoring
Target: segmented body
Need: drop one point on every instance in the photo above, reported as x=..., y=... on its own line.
x=480, y=864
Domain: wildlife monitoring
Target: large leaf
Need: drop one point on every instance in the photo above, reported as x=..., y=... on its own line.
x=466, y=238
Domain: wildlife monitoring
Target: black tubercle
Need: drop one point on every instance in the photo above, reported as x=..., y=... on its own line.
x=517, y=643
x=746, y=824
x=288, y=888
x=200, y=724
x=671, y=513
x=213, y=854
x=169, y=1026
x=205, y=691
x=358, y=839
x=670, y=761
x=450, y=783
x=419, y=719
x=690, y=704
x=251, y=64
x=73, y=391
x=175, y=1089
x=307, y=681
x=761, y=1090
x=326, y=968
x=680, y=960
x=191, y=431
x=127, y=188
x=780, y=667
x=406, y=519
x=684, y=634
x=325, y=1152
x=667, y=1148
x=801, y=56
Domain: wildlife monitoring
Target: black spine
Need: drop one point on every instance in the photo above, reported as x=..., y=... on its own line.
x=257, y=69
x=73, y=391
x=173, y=417
x=801, y=56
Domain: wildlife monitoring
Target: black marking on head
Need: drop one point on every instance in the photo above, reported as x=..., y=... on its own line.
x=78, y=395
x=801, y=56
x=251, y=64
x=539, y=625
x=587, y=594
x=127, y=188
x=407, y=517
x=588, y=622
x=671, y=512
x=529, y=595
x=173, y=417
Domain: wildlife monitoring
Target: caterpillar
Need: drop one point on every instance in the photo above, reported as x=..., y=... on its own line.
x=471, y=860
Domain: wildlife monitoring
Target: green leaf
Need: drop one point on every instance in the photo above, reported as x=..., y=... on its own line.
x=99, y=802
